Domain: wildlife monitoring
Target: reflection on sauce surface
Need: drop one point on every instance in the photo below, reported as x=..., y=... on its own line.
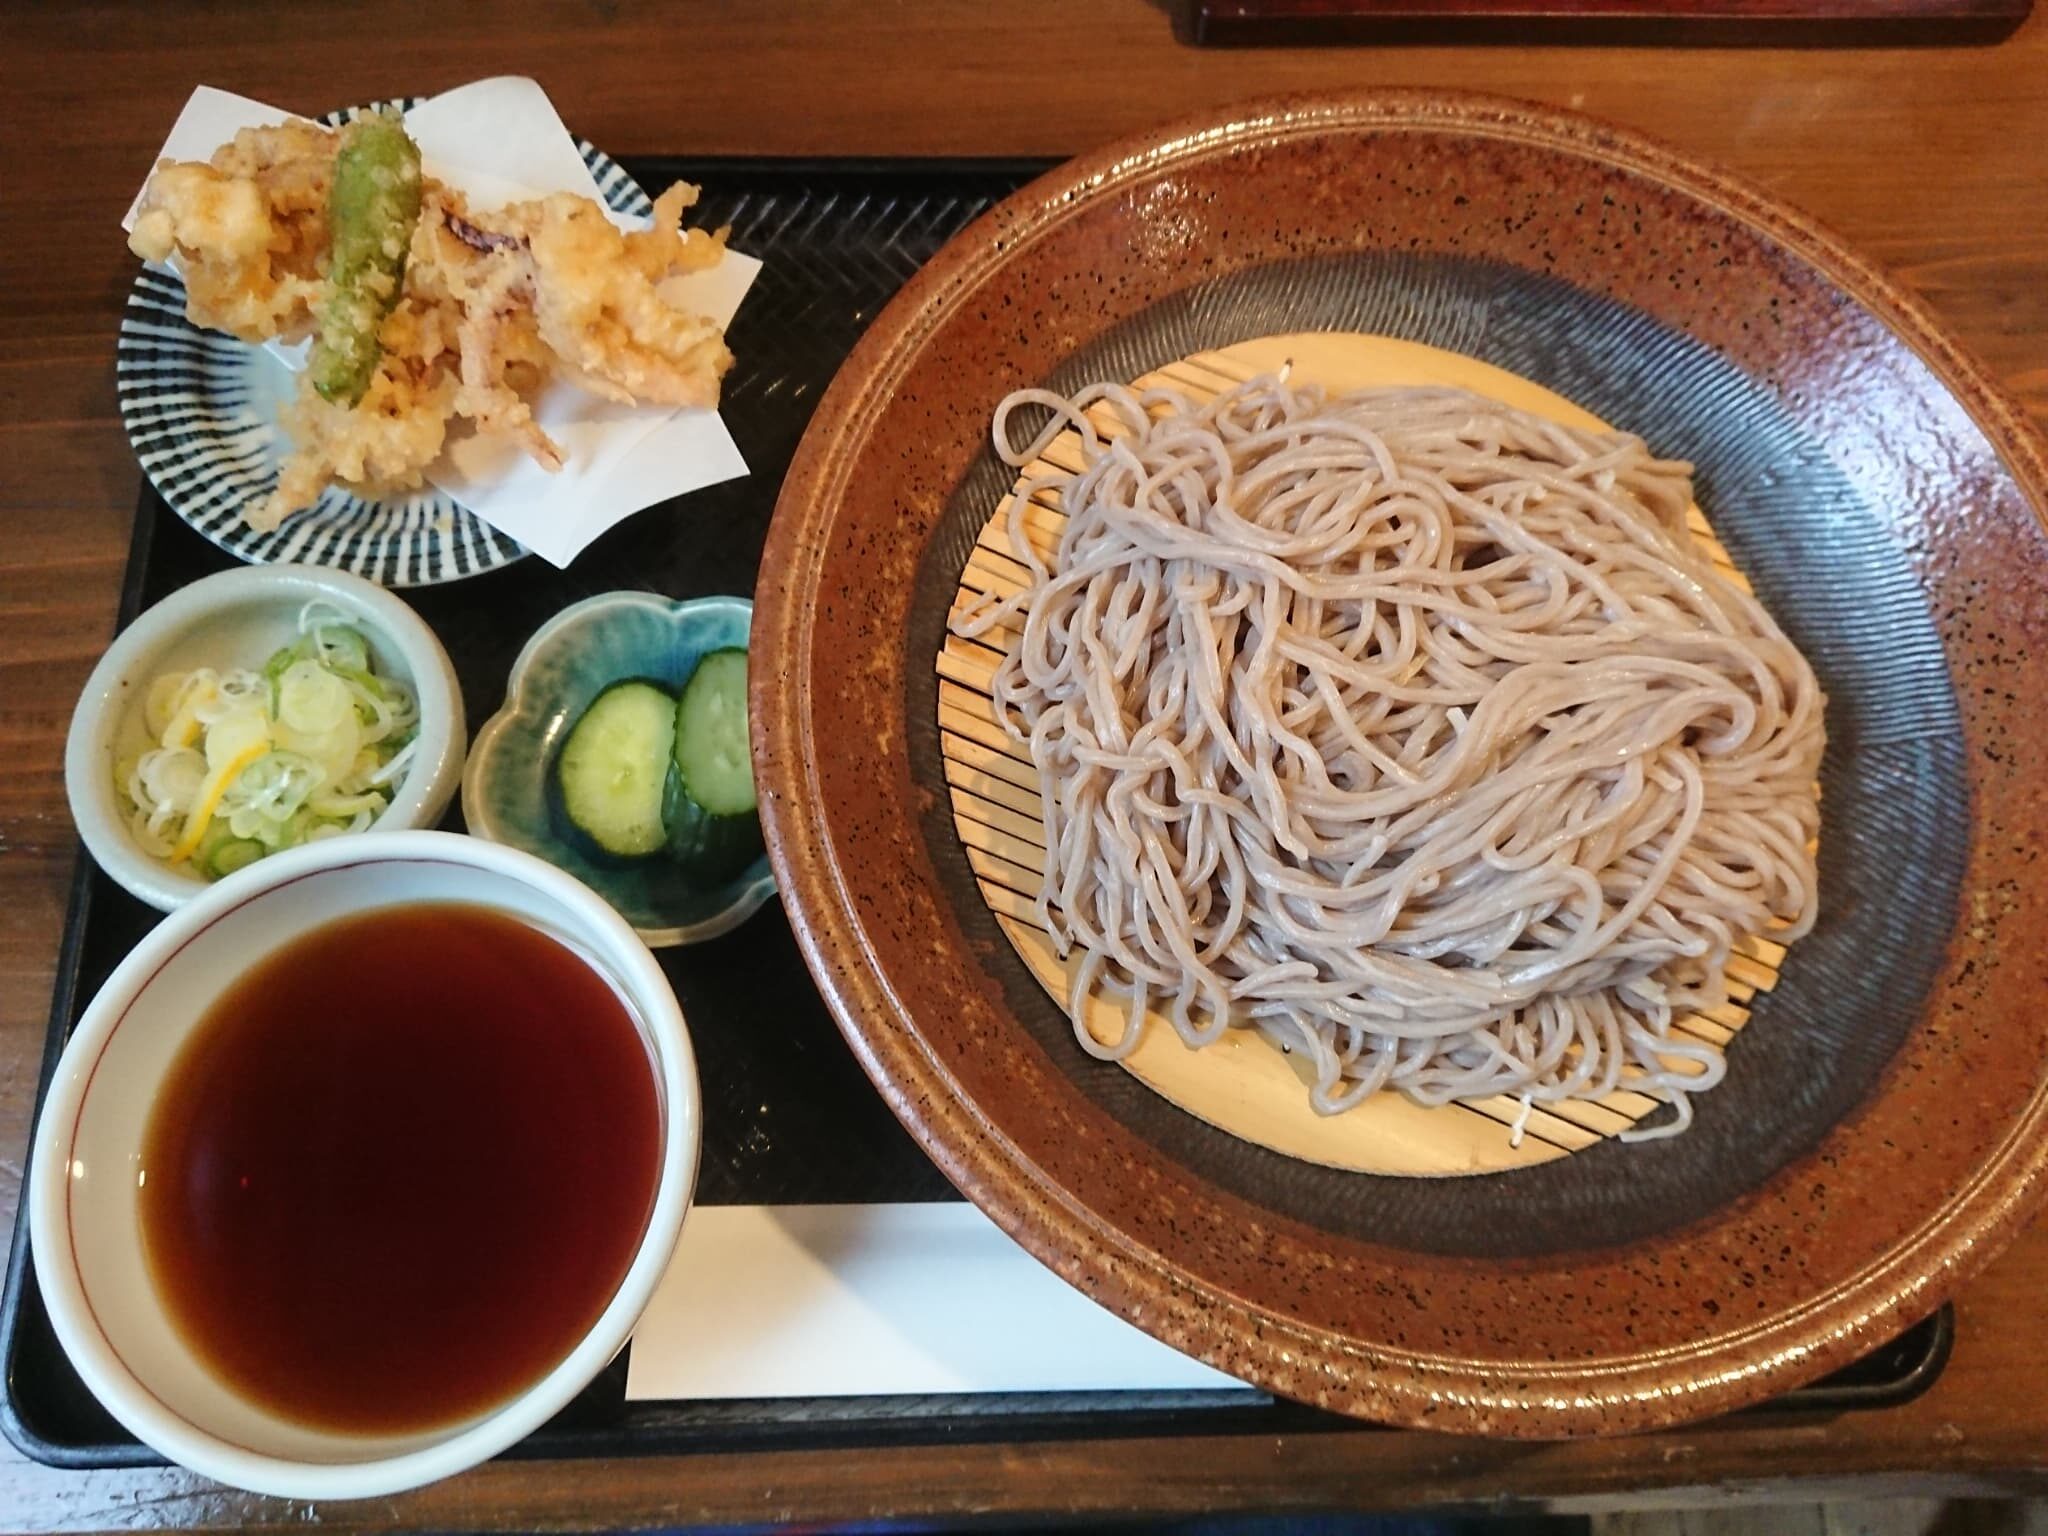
x=401, y=1168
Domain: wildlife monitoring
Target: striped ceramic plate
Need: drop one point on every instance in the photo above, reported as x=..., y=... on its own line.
x=202, y=408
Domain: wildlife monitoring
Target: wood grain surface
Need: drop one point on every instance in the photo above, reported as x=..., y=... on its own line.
x=1933, y=159
x=1686, y=23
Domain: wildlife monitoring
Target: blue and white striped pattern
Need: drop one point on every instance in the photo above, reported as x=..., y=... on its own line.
x=202, y=408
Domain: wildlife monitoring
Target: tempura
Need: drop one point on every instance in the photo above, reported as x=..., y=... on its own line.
x=490, y=306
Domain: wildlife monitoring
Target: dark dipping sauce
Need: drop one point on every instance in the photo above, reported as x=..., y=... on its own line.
x=401, y=1168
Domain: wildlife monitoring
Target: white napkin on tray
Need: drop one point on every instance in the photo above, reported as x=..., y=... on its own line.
x=500, y=141
x=876, y=1300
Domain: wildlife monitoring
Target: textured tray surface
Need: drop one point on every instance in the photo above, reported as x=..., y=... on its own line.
x=789, y=1116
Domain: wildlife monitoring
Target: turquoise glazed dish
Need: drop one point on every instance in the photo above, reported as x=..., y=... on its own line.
x=571, y=659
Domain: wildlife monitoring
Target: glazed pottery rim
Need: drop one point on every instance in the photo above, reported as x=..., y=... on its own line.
x=1421, y=1388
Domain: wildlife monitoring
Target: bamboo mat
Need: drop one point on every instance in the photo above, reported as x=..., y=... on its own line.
x=1243, y=1084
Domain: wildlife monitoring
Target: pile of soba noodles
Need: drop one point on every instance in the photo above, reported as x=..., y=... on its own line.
x=1416, y=732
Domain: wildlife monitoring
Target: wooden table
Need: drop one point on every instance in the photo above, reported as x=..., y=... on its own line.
x=1934, y=160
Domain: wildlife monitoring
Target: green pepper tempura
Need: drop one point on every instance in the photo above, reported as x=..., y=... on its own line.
x=372, y=209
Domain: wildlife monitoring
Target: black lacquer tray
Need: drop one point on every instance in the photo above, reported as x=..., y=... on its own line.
x=798, y=1124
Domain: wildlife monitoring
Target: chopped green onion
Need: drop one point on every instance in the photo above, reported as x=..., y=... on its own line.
x=242, y=764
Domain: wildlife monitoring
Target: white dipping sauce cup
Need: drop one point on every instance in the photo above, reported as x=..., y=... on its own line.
x=84, y=1216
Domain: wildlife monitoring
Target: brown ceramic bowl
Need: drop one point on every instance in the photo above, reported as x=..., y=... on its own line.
x=1880, y=1132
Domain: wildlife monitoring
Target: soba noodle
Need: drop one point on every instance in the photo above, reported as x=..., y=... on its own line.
x=1413, y=731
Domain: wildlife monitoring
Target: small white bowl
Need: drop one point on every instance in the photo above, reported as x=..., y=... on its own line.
x=84, y=1225
x=237, y=619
